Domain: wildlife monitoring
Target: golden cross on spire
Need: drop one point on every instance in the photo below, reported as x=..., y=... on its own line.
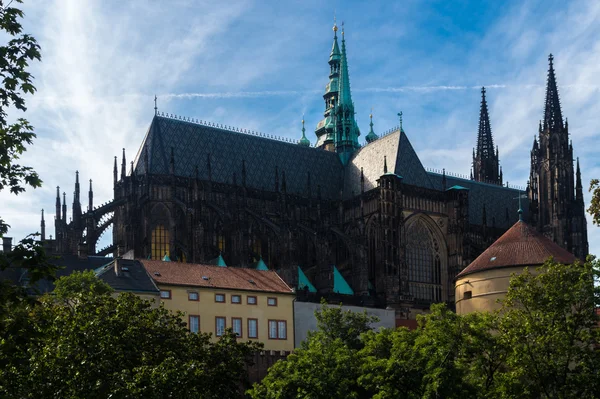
x=335, y=28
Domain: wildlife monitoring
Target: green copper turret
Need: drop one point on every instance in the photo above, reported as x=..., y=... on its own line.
x=325, y=128
x=371, y=136
x=304, y=141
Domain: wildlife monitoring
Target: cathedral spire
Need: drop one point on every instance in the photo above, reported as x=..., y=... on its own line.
x=123, y=166
x=76, y=202
x=58, y=203
x=552, y=113
x=346, y=129
x=64, y=207
x=115, y=173
x=91, y=198
x=325, y=130
x=304, y=141
x=43, y=226
x=485, y=159
x=345, y=97
x=578, y=186
x=335, y=49
x=371, y=136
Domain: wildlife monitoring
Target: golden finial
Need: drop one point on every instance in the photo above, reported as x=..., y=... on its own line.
x=335, y=28
x=371, y=115
x=342, y=28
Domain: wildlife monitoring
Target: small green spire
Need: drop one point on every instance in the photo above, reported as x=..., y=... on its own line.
x=335, y=49
x=371, y=136
x=345, y=97
x=261, y=265
x=400, y=116
x=304, y=141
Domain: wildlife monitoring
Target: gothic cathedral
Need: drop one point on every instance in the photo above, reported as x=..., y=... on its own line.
x=367, y=214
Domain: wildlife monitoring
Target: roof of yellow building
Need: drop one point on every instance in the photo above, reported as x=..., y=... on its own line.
x=197, y=275
x=521, y=245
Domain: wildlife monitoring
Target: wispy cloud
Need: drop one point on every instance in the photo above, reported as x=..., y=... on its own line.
x=263, y=65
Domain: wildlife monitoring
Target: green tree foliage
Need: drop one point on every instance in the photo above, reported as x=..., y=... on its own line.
x=80, y=284
x=326, y=366
x=540, y=345
x=594, y=208
x=90, y=344
x=15, y=56
x=447, y=356
x=15, y=135
x=548, y=325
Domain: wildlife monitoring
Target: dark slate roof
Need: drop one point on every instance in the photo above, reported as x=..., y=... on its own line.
x=401, y=160
x=192, y=143
x=133, y=277
x=67, y=263
x=521, y=245
x=500, y=201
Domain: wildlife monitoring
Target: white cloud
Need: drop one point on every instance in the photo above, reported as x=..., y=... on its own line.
x=261, y=66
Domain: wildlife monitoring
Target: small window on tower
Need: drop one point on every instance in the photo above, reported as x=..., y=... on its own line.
x=468, y=295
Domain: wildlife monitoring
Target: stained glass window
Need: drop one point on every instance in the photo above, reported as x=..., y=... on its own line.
x=424, y=263
x=160, y=242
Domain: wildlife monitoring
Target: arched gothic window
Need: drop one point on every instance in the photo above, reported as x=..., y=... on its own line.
x=160, y=242
x=425, y=258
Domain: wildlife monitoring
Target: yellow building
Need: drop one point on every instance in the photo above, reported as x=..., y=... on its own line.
x=479, y=286
x=256, y=304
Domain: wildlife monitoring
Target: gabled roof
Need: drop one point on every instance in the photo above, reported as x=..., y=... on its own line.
x=197, y=275
x=192, y=143
x=401, y=160
x=132, y=277
x=521, y=245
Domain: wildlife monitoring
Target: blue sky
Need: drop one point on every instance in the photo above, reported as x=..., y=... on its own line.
x=261, y=65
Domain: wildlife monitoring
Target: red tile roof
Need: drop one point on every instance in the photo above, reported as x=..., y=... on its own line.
x=521, y=245
x=191, y=274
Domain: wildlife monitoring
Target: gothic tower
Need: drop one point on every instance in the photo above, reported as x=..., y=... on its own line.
x=325, y=128
x=485, y=161
x=555, y=209
x=338, y=131
x=346, y=129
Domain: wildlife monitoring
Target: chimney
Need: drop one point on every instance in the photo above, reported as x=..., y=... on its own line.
x=6, y=244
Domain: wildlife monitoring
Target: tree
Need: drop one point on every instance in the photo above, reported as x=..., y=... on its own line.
x=327, y=364
x=447, y=356
x=15, y=136
x=548, y=322
x=594, y=208
x=93, y=345
x=16, y=82
x=79, y=284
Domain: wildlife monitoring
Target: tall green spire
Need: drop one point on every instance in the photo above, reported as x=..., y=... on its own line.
x=371, y=136
x=345, y=97
x=304, y=141
x=347, y=132
x=325, y=128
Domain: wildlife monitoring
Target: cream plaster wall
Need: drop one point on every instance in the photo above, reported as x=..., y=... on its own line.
x=486, y=288
x=208, y=310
